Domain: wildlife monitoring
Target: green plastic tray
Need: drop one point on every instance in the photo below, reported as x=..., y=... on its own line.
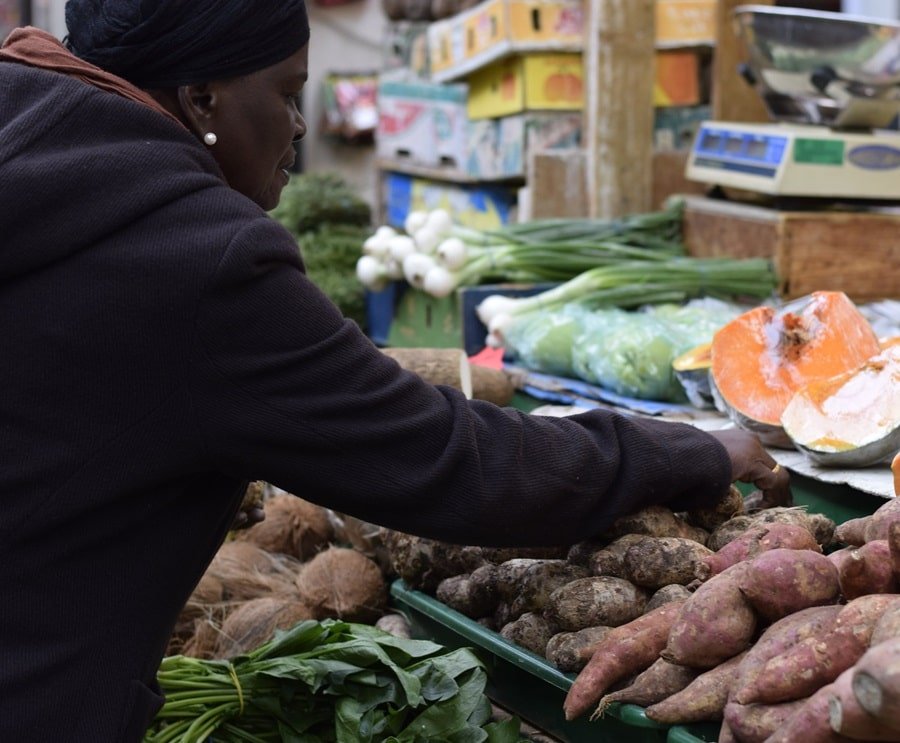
x=527, y=685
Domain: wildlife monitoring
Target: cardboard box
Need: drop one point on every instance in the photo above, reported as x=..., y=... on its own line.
x=685, y=22
x=421, y=122
x=404, y=46
x=548, y=81
x=496, y=28
x=500, y=148
x=676, y=128
x=677, y=78
x=477, y=206
x=523, y=134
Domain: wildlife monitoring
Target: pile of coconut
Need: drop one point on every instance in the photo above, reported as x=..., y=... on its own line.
x=302, y=562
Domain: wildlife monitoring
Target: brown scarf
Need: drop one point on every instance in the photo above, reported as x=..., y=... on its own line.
x=37, y=48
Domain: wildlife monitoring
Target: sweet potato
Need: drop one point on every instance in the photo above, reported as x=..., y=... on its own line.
x=729, y=531
x=531, y=631
x=715, y=624
x=880, y=521
x=784, y=581
x=894, y=543
x=753, y=723
x=564, y=648
x=725, y=734
x=818, y=660
x=660, y=680
x=868, y=570
x=809, y=723
x=852, y=532
x=847, y=717
x=840, y=556
x=888, y=627
x=717, y=514
x=625, y=650
x=876, y=682
x=752, y=542
x=779, y=637
x=654, y=562
x=656, y=521
x=664, y=595
x=701, y=700
x=595, y=601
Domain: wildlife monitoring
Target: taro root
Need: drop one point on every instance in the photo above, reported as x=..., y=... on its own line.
x=654, y=562
x=344, y=584
x=595, y=601
x=531, y=631
x=539, y=581
x=564, y=648
x=717, y=514
x=423, y=563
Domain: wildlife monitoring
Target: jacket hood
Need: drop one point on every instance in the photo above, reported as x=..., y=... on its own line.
x=81, y=161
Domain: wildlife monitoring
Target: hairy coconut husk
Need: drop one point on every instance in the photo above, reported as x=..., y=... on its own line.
x=364, y=537
x=342, y=583
x=254, y=622
x=248, y=571
x=209, y=591
x=292, y=526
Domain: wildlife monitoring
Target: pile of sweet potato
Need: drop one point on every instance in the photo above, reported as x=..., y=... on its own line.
x=756, y=617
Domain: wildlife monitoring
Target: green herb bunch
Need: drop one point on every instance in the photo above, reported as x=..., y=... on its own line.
x=330, y=681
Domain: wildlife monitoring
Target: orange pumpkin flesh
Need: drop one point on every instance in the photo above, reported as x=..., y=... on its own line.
x=760, y=359
x=852, y=419
x=895, y=468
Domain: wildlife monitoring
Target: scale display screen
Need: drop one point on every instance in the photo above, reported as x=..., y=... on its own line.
x=744, y=152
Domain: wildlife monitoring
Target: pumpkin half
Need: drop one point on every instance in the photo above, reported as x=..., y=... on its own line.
x=692, y=372
x=763, y=357
x=851, y=420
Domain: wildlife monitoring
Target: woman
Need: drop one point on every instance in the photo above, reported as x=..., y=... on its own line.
x=162, y=347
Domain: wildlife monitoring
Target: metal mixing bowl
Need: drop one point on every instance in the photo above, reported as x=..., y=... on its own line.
x=822, y=68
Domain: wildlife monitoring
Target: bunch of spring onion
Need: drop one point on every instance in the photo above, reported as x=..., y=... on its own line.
x=436, y=255
x=635, y=283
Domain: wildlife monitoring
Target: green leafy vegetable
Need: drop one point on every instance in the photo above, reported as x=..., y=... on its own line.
x=330, y=681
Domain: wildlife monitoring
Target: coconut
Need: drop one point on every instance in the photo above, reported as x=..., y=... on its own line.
x=292, y=526
x=342, y=583
x=209, y=591
x=202, y=643
x=254, y=622
x=247, y=571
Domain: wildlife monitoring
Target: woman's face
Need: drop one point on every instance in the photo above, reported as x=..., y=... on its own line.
x=256, y=120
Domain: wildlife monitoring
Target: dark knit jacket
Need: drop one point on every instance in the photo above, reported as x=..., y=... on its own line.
x=161, y=346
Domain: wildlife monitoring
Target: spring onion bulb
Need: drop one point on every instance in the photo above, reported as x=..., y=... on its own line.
x=371, y=273
x=401, y=246
x=452, y=253
x=415, y=267
x=415, y=221
x=439, y=282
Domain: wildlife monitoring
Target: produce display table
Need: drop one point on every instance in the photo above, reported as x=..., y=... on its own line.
x=530, y=687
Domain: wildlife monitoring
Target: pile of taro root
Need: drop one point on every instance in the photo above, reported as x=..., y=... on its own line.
x=775, y=621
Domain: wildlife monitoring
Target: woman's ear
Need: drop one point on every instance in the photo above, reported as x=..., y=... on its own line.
x=198, y=103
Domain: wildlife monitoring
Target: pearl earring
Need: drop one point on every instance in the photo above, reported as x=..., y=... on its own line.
x=210, y=138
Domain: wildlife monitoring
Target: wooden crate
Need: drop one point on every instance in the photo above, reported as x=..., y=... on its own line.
x=854, y=252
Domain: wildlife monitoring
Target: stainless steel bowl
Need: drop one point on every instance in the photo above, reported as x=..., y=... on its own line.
x=822, y=68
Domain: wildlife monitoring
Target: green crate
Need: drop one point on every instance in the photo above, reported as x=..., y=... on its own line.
x=527, y=685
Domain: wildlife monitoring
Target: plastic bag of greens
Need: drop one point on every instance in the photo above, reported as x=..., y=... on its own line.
x=542, y=341
x=596, y=328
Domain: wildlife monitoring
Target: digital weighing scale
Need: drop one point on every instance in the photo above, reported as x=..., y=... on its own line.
x=797, y=160
x=831, y=83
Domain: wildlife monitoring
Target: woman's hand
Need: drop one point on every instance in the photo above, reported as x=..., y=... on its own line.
x=245, y=518
x=750, y=462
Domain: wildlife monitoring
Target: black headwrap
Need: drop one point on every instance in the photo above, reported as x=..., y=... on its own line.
x=167, y=43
